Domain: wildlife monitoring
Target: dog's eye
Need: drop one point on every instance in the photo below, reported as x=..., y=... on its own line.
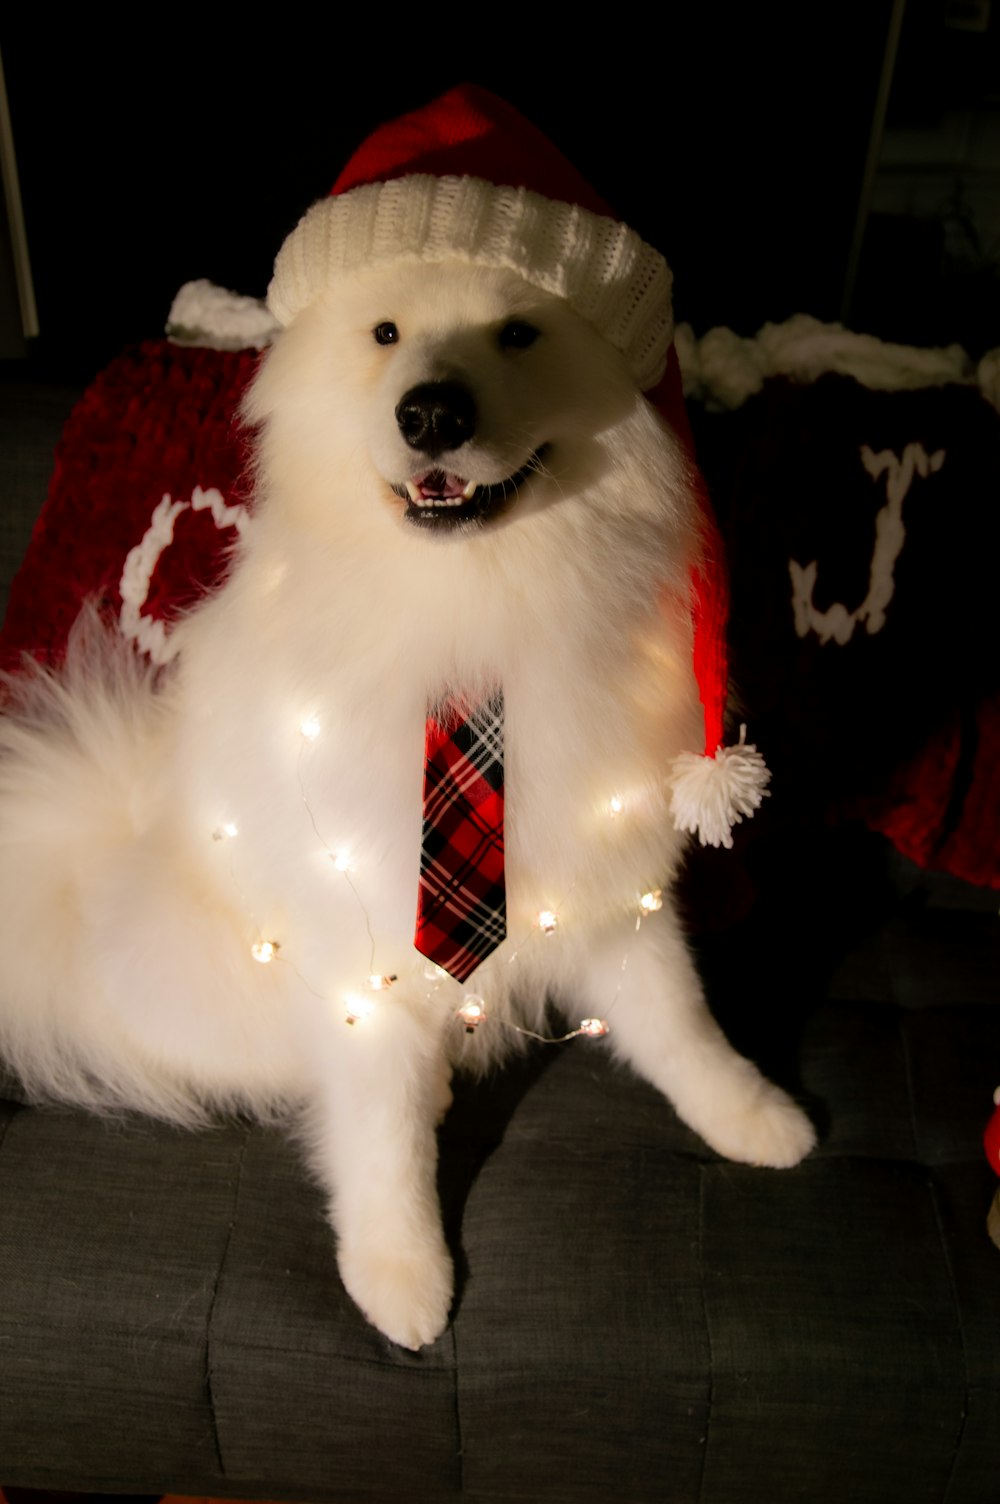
x=386, y=334
x=517, y=335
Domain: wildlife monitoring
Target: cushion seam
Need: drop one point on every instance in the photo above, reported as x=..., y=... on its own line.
x=213, y=1303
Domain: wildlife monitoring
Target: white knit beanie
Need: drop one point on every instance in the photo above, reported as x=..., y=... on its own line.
x=469, y=178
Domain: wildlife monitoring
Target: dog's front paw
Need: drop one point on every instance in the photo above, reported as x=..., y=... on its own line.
x=406, y=1293
x=766, y=1128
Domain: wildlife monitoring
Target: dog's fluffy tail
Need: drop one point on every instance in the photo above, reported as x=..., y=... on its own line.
x=80, y=760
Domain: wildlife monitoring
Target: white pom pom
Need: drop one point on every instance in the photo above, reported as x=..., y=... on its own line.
x=712, y=794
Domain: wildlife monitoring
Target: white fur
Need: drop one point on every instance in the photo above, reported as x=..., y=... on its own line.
x=126, y=924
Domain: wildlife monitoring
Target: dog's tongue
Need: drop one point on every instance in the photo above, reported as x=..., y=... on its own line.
x=441, y=483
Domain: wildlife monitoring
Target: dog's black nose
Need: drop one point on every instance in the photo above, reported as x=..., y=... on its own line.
x=436, y=416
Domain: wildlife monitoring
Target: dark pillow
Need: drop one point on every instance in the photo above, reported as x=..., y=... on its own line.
x=864, y=531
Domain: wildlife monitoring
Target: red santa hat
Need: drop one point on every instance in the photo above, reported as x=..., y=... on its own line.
x=467, y=177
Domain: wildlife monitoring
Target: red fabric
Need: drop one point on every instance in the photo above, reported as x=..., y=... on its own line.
x=917, y=811
x=709, y=579
x=469, y=132
x=160, y=420
x=991, y=1141
x=461, y=906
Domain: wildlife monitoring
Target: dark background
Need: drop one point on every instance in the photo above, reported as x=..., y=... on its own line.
x=162, y=148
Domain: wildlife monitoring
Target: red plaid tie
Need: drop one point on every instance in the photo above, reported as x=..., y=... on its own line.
x=462, y=905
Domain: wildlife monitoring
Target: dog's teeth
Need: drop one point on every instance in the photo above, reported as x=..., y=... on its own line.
x=418, y=499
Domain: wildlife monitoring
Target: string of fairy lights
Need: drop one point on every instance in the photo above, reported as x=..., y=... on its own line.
x=361, y=1002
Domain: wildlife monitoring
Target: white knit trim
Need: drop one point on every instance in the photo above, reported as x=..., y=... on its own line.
x=133, y=587
x=609, y=275
x=836, y=622
x=149, y=634
x=211, y=316
x=223, y=513
x=723, y=369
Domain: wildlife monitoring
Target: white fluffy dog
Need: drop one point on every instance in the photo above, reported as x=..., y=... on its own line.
x=525, y=520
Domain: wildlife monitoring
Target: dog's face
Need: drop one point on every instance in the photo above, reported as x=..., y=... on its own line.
x=477, y=397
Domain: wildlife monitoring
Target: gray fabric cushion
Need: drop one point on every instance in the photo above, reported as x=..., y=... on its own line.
x=637, y=1319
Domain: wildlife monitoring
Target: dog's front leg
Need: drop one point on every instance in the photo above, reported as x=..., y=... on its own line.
x=647, y=987
x=373, y=1139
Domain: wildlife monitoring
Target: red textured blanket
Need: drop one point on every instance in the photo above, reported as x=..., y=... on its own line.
x=149, y=488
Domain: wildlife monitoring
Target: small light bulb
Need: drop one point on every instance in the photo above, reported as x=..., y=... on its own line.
x=615, y=805
x=342, y=861
x=472, y=1012
x=225, y=832
x=548, y=921
x=594, y=1028
x=434, y=973
x=310, y=728
x=377, y=983
x=650, y=902
x=357, y=1007
x=264, y=951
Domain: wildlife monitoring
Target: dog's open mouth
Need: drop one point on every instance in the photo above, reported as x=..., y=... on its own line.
x=441, y=499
